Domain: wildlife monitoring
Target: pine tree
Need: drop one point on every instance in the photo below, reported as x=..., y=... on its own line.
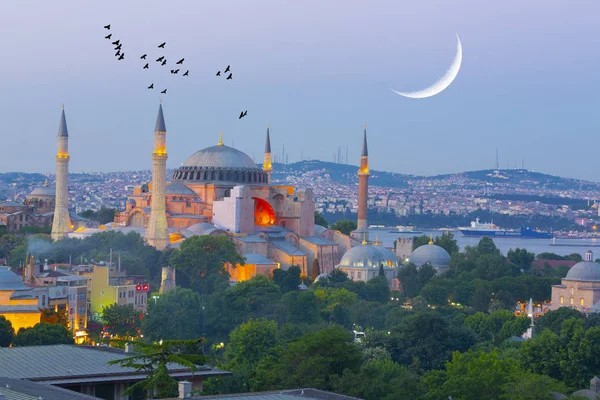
x=381, y=271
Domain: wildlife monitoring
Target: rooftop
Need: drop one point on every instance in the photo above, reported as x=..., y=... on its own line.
x=19, y=389
x=295, y=394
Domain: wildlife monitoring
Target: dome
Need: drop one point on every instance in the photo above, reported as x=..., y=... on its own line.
x=368, y=256
x=431, y=254
x=586, y=271
x=11, y=281
x=220, y=157
x=43, y=191
x=131, y=201
x=179, y=188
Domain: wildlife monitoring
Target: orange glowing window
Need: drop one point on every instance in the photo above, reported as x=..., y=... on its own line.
x=263, y=212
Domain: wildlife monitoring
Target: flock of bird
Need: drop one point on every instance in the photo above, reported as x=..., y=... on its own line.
x=120, y=54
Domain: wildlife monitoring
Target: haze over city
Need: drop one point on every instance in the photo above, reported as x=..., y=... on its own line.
x=316, y=72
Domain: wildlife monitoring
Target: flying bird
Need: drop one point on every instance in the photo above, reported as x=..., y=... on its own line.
x=230, y=76
x=218, y=73
x=243, y=114
x=118, y=53
x=108, y=27
x=164, y=91
x=108, y=36
x=176, y=71
x=146, y=66
x=186, y=73
x=117, y=42
x=180, y=61
x=122, y=56
x=162, y=45
x=160, y=58
x=164, y=62
x=227, y=69
x=151, y=86
x=118, y=47
x=172, y=71
x=143, y=57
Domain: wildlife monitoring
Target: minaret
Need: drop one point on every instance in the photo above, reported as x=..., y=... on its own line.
x=156, y=232
x=61, y=223
x=363, y=187
x=267, y=166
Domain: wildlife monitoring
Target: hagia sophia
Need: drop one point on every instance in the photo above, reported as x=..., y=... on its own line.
x=220, y=191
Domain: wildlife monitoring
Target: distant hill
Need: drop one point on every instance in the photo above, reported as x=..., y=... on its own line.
x=347, y=174
x=339, y=173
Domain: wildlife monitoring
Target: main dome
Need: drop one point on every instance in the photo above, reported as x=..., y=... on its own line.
x=585, y=271
x=368, y=256
x=430, y=254
x=220, y=157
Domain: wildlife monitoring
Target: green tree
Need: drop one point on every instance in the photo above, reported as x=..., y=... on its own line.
x=487, y=246
x=152, y=359
x=250, y=342
x=378, y=380
x=447, y=242
x=521, y=258
x=123, y=320
x=7, y=332
x=202, y=260
x=344, y=226
x=553, y=320
x=378, y=289
x=320, y=220
x=7, y=244
x=49, y=316
x=174, y=315
x=436, y=292
x=316, y=270
x=381, y=270
x=43, y=334
x=291, y=279
x=497, y=326
x=310, y=361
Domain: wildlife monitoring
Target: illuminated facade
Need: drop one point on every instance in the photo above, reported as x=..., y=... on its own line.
x=17, y=303
x=580, y=289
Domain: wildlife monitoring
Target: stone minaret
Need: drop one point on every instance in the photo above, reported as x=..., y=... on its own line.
x=156, y=232
x=61, y=223
x=267, y=167
x=363, y=188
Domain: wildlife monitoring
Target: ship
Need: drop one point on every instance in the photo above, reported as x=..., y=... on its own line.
x=405, y=229
x=490, y=229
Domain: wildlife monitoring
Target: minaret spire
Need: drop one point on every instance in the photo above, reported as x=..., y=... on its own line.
x=363, y=188
x=156, y=231
x=267, y=166
x=61, y=223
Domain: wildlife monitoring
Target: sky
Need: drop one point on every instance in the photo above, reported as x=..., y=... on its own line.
x=316, y=70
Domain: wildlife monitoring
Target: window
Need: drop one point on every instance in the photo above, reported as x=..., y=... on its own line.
x=44, y=300
x=562, y=299
x=81, y=296
x=581, y=302
x=359, y=275
x=572, y=290
x=351, y=275
x=572, y=302
x=81, y=310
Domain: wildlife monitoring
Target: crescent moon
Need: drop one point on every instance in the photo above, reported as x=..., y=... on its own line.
x=443, y=82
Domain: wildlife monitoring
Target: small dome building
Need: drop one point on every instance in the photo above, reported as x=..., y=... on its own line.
x=362, y=263
x=433, y=255
x=42, y=198
x=580, y=289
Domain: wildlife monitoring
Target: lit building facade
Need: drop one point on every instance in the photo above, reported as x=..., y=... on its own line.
x=580, y=289
x=17, y=303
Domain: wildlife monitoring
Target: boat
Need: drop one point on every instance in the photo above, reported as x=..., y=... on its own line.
x=405, y=229
x=490, y=229
x=376, y=226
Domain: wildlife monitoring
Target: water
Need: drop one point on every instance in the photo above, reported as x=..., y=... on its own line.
x=562, y=247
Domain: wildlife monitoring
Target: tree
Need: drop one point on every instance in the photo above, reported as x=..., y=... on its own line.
x=447, y=242
x=42, y=335
x=174, y=315
x=378, y=380
x=7, y=332
x=202, y=260
x=290, y=280
x=381, y=270
x=320, y=220
x=497, y=326
x=344, y=226
x=316, y=270
x=378, y=289
x=521, y=258
x=553, y=320
x=123, y=320
x=49, y=316
x=250, y=342
x=153, y=360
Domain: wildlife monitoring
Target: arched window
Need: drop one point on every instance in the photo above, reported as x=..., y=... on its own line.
x=572, y=290
x=571, y=301
x=581, y=302
x=562, y=299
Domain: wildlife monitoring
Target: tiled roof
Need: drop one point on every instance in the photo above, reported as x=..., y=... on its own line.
x=287, y=248
x=251, y=239
x=69, y=363
x=318, y=241
x=19, y=389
